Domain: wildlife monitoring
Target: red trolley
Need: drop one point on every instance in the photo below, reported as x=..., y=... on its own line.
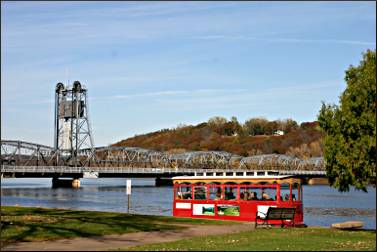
x=237, y=195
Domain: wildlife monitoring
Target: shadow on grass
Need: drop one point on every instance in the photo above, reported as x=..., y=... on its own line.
x=62, y=223
x=17, y=224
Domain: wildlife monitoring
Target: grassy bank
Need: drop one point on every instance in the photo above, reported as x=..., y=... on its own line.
x=37, y=224
x=274, y=239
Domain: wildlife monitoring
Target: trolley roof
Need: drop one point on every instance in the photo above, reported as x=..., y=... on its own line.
x=257, y=177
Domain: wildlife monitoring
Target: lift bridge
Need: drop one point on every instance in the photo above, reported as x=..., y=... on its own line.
x=74, y=155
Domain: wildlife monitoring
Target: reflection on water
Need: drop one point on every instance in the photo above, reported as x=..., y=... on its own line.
x=322, y=204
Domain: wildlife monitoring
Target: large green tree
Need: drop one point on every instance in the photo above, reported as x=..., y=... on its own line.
x=350, y=129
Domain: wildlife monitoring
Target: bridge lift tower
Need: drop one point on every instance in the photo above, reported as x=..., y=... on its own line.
x=72, y=126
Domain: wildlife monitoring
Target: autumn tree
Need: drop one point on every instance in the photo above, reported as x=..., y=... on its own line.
x=217, y=121
x=350, y=129
x=256, y=126
x=271, y=127
x=233, y=127
x=290, y=125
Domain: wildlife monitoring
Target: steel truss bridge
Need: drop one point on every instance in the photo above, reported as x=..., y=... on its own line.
x=24, y=159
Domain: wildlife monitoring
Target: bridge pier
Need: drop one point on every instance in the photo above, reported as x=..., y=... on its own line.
x=67, y=183
x=163, y=181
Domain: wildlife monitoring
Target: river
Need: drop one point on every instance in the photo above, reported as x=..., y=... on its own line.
x=323, y=205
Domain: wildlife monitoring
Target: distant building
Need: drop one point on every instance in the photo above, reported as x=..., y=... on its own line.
x=279, y=133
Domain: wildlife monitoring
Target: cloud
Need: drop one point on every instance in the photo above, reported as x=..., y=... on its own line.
x=285, y=40
x=191, y=93
x=237, y=98
x=150, y=94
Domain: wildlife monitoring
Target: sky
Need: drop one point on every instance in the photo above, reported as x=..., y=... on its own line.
x=154, y=65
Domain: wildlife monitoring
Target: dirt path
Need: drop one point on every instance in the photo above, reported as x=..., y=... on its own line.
x=126, y=240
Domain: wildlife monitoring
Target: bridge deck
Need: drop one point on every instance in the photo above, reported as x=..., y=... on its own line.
x=52, y=171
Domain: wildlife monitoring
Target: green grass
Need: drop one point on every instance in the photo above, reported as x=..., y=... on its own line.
x=37, y=224
x=274, y=239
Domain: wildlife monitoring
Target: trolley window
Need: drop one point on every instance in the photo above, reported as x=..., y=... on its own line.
x=215, y=191
x=296, y=192
x=184, y=191
x=231, y=191
x=200, y=192
x=268, y=193
x=285, y=192
x=249, y=193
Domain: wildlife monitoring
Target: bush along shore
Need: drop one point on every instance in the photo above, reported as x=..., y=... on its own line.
x=20, y=224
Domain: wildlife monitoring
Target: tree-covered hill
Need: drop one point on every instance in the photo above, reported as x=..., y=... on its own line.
x=255, y=136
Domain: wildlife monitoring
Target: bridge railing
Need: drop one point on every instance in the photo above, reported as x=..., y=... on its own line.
x=133, y=170
x=67, y=169
x=40, y=169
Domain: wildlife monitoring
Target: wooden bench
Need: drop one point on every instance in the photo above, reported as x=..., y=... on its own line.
x=277, y=213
